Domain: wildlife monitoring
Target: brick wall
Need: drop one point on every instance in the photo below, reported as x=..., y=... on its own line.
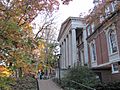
x=118, y=31
x=106, y=76
x=98, y=50
x=116, y=77
x=101, y=48
x=104, y=47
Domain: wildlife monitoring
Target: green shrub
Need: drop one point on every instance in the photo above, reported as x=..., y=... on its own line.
x=5, y=83
x=25, y=83
x=82, y=75
x=115, y=85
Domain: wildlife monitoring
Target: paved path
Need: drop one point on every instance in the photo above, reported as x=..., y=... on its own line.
x=48, y=85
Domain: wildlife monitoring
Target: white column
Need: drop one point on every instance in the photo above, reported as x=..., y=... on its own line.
x=62, y=57
x=82, y=57
x=85, y=46
x=70, y=49
x=74, y=49
x=64, y=52
x=66, y=47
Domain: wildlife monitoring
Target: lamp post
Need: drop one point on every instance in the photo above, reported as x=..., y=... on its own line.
x=59, y=75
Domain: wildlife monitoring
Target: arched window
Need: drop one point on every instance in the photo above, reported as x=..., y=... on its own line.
x=93, y=52
x=113, y=41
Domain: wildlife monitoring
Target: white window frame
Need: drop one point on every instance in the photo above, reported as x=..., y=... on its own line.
x=113, y=4
x=115, y=65
x=109, y=39
x=92, y=27
x=93, y=58
x=109, y=9
x=101, y=18
x=88, y=30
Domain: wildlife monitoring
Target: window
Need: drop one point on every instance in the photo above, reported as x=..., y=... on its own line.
x=101, y=18
x=92, y=26
x=93, y=52
x=115, y=68
x=81, y=39
x=88, y=30
x=109, y=9
x=113, y=41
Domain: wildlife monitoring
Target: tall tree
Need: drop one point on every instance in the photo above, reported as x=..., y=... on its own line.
x=16, y=36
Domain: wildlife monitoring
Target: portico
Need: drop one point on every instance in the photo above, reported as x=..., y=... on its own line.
x=67, y=41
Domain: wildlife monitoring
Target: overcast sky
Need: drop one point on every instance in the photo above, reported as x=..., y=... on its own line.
x=74, y=8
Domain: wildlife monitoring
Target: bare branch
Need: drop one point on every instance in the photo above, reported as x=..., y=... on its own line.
x=45, y=25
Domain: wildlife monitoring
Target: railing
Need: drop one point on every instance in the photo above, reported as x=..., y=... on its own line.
x=79, y=84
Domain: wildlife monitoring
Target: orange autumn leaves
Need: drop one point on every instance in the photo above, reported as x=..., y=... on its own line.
x=4, y=72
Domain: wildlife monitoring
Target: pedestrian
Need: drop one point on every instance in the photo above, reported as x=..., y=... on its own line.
x=39, y=74
x=42, y=73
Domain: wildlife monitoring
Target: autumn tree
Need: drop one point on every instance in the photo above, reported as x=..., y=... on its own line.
x=16, y=35
x=98, y=14
x=17, y=41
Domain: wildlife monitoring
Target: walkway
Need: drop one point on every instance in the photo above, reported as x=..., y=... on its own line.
x=47, y=85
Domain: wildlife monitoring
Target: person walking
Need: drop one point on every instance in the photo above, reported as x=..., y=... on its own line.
x=42, y=73
x=39, y=74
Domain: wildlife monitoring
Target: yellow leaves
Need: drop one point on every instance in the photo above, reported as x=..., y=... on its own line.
x=4, y=72
x=19, y=63
x=40, y=66
x=41, y=45
x=27, y=68
x=28, y=27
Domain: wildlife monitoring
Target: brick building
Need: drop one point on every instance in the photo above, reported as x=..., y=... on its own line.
x=103, y=38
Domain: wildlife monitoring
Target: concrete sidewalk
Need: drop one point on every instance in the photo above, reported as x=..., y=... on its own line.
x=48, y=85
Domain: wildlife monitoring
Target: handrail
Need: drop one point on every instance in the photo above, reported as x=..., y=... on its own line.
x=82, y=85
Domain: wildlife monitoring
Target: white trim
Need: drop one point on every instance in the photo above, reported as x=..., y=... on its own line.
x=110, y=46
x=111, y=27
x=109, y=9
x=113, y=68
x=101, y=18
x=91, y=51
x=93, y=62
x=88, y=30
x=92, y=27
x=108, y=63
x=104, y=64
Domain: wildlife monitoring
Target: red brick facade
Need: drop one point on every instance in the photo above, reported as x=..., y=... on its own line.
x=104, y=60
x=101, y=48
x=118, y=30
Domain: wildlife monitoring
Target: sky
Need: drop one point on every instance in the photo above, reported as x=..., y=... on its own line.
x=74, y=8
